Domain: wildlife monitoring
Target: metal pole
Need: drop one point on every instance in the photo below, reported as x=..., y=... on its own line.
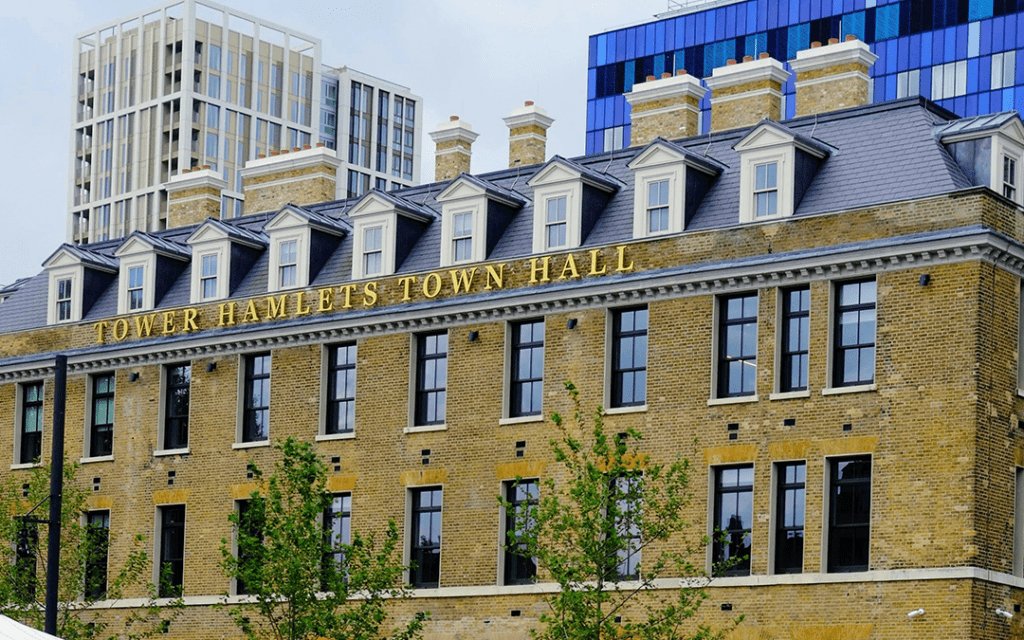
x=60, y=380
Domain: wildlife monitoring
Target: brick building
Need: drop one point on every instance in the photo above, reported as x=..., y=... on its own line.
x=822, y=314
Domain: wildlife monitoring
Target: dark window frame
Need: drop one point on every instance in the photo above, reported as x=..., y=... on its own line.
x=726, y=324
x=723, y=550
x=842, y=350
x=797, y=354
x=337, y=523
x=431, y=397
x=30, y=445
x=97, y=540
x=628, y=556
x=791, y=492
x=171, y=574
x=256, y=409
x=422, y=574
x=341, y=402
x=101, y=433
x=521, y=495
x=175, y=435
x=620, y=372
x=532, y=380
x=849, y=539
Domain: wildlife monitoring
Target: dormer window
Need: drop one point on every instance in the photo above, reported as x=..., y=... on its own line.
x=208, y=276
x=373, y=252
x=300, y=243
x=462, y=237
x=776, y=168
x=657, y=207
x=63, y=310
x=568, y=198
x=669, y=183
x=474, y=213
x=135, y=288
x=555, y=223
x=1010, y=178
x=766, y=190
x=288, y=267
x=222, y=254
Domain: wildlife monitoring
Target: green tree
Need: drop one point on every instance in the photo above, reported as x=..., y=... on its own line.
x=601, y=529
x=303, y=581
x=84, y=575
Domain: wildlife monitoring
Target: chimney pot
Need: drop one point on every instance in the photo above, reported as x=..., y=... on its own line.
x=186, y=171
x=454, y=140
x=833, y=40
x=666, y=74
x=273, y=153
x=668, y=108
x=833, y=77
x=850, y=37
x=206, y=166
x=528, y=103
x=763, y=55
x=284, y=151
x=747, y=58
x=680, y=72
x=730, y=61
x=651, y=78
x=528, y=134
x=296, y=148
x=815, y=44
x=453, y=118
x=743, y=95
x=306, y=146
x=263, y=155
x=319, y=144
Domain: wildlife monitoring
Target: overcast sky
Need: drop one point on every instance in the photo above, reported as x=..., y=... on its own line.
x=478, y=60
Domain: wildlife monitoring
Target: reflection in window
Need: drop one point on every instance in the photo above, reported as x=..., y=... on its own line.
x=179, y=383
x=431, y=377
x=766, y=190
x=527, y=369
x=256, y=420
x=796, y=312
x=31, y=423
x=522, y=497
x=425, y=538
x=734, y=514
x=372, y=251
x=208, y=277
x=135, y=288
x=101, y=436
x=629, y=357
x=789, y=517
x=462, y=236
x=737, y=348
x=627, y=492
x=855, y=334
x=657, y=206
x=555, y=223
x=849, y=514
x=288, y=268
x=341, y=384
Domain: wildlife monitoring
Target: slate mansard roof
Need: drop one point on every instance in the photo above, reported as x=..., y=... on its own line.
x=877, y=153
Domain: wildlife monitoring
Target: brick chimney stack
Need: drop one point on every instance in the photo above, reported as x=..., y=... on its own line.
x=527, y=135
x=744, y=94
x=193, y=196
x=454, y=147
x=832, y=77
x=304, y=176
x=668, y=108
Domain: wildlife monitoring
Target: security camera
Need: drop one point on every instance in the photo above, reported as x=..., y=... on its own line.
x=1005, y=614
x=915, y=613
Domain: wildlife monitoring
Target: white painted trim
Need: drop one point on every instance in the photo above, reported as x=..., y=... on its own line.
x=523, y=419
x=221, y=249
x=638, y=115
x=675, y=175
x=291, y=161
x=714, y=402
x=450, y=150
x=663, y=88
x=860, y=388
x=426, y=428
x=96, y=459
x=388, y=223
x=746, y=94
x=283, y=181
x=477, y=209
x=846, y=52
x=849, y=75
x=327, y=437
x=785, y=159
x=171, y=452
x=746, y=72
x=528, y=136
x=301, y=236
x=250, y=445
x=572, y=191
x=616, y=411
x=789, y=395
x=27, y=465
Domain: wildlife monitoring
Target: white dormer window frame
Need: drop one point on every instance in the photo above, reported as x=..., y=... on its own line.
x=1006, y=149
x=201, y=278
x=656, y=165
x=754, y=192
x=129, y=284
x=385, y=223
x=1011, y=182
x=372, y=254
x=65, y=289
x=458, y=246
x=279, y=263
x=543, y=198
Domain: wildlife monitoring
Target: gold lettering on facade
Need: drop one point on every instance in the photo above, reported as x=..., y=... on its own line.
x=621, y=249
x=190, y=321
x=347, y=289
x=227, y=315
x=277, y=307
x=497, y=275
x=299, y=309
x=594, y=261
x=144, y=325
x=100, y=326
x=406, y=282
x=370, y=294
x=326, y=301
x=570, y=268
x=251, y=314
x=462, y=279
x=120, y=329
x=169, y=322
x=427, y=286
x=543, y=270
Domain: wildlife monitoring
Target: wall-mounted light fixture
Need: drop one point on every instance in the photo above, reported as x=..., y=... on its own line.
x=133, y=376
x=1004, y=613
x=571, y=324
x=210, y=366
x=473, y=335
x=915, y=613
x=924, y=280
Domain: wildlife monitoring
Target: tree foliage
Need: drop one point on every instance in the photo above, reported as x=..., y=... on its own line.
x=302, y=582
x=81, y=606
x=600, y=529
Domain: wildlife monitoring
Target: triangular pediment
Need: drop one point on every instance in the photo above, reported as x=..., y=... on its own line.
x=764, y=135
x=656, y=154
x=71, y=256
x=460, y=189
x=286, y=218
x=134, y=245
x=370, y=204
x=63, y=257
x=1013, y=130
x=553, y=172
x=207, y=232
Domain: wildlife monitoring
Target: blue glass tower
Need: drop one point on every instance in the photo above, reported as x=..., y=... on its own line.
x=967, y=55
